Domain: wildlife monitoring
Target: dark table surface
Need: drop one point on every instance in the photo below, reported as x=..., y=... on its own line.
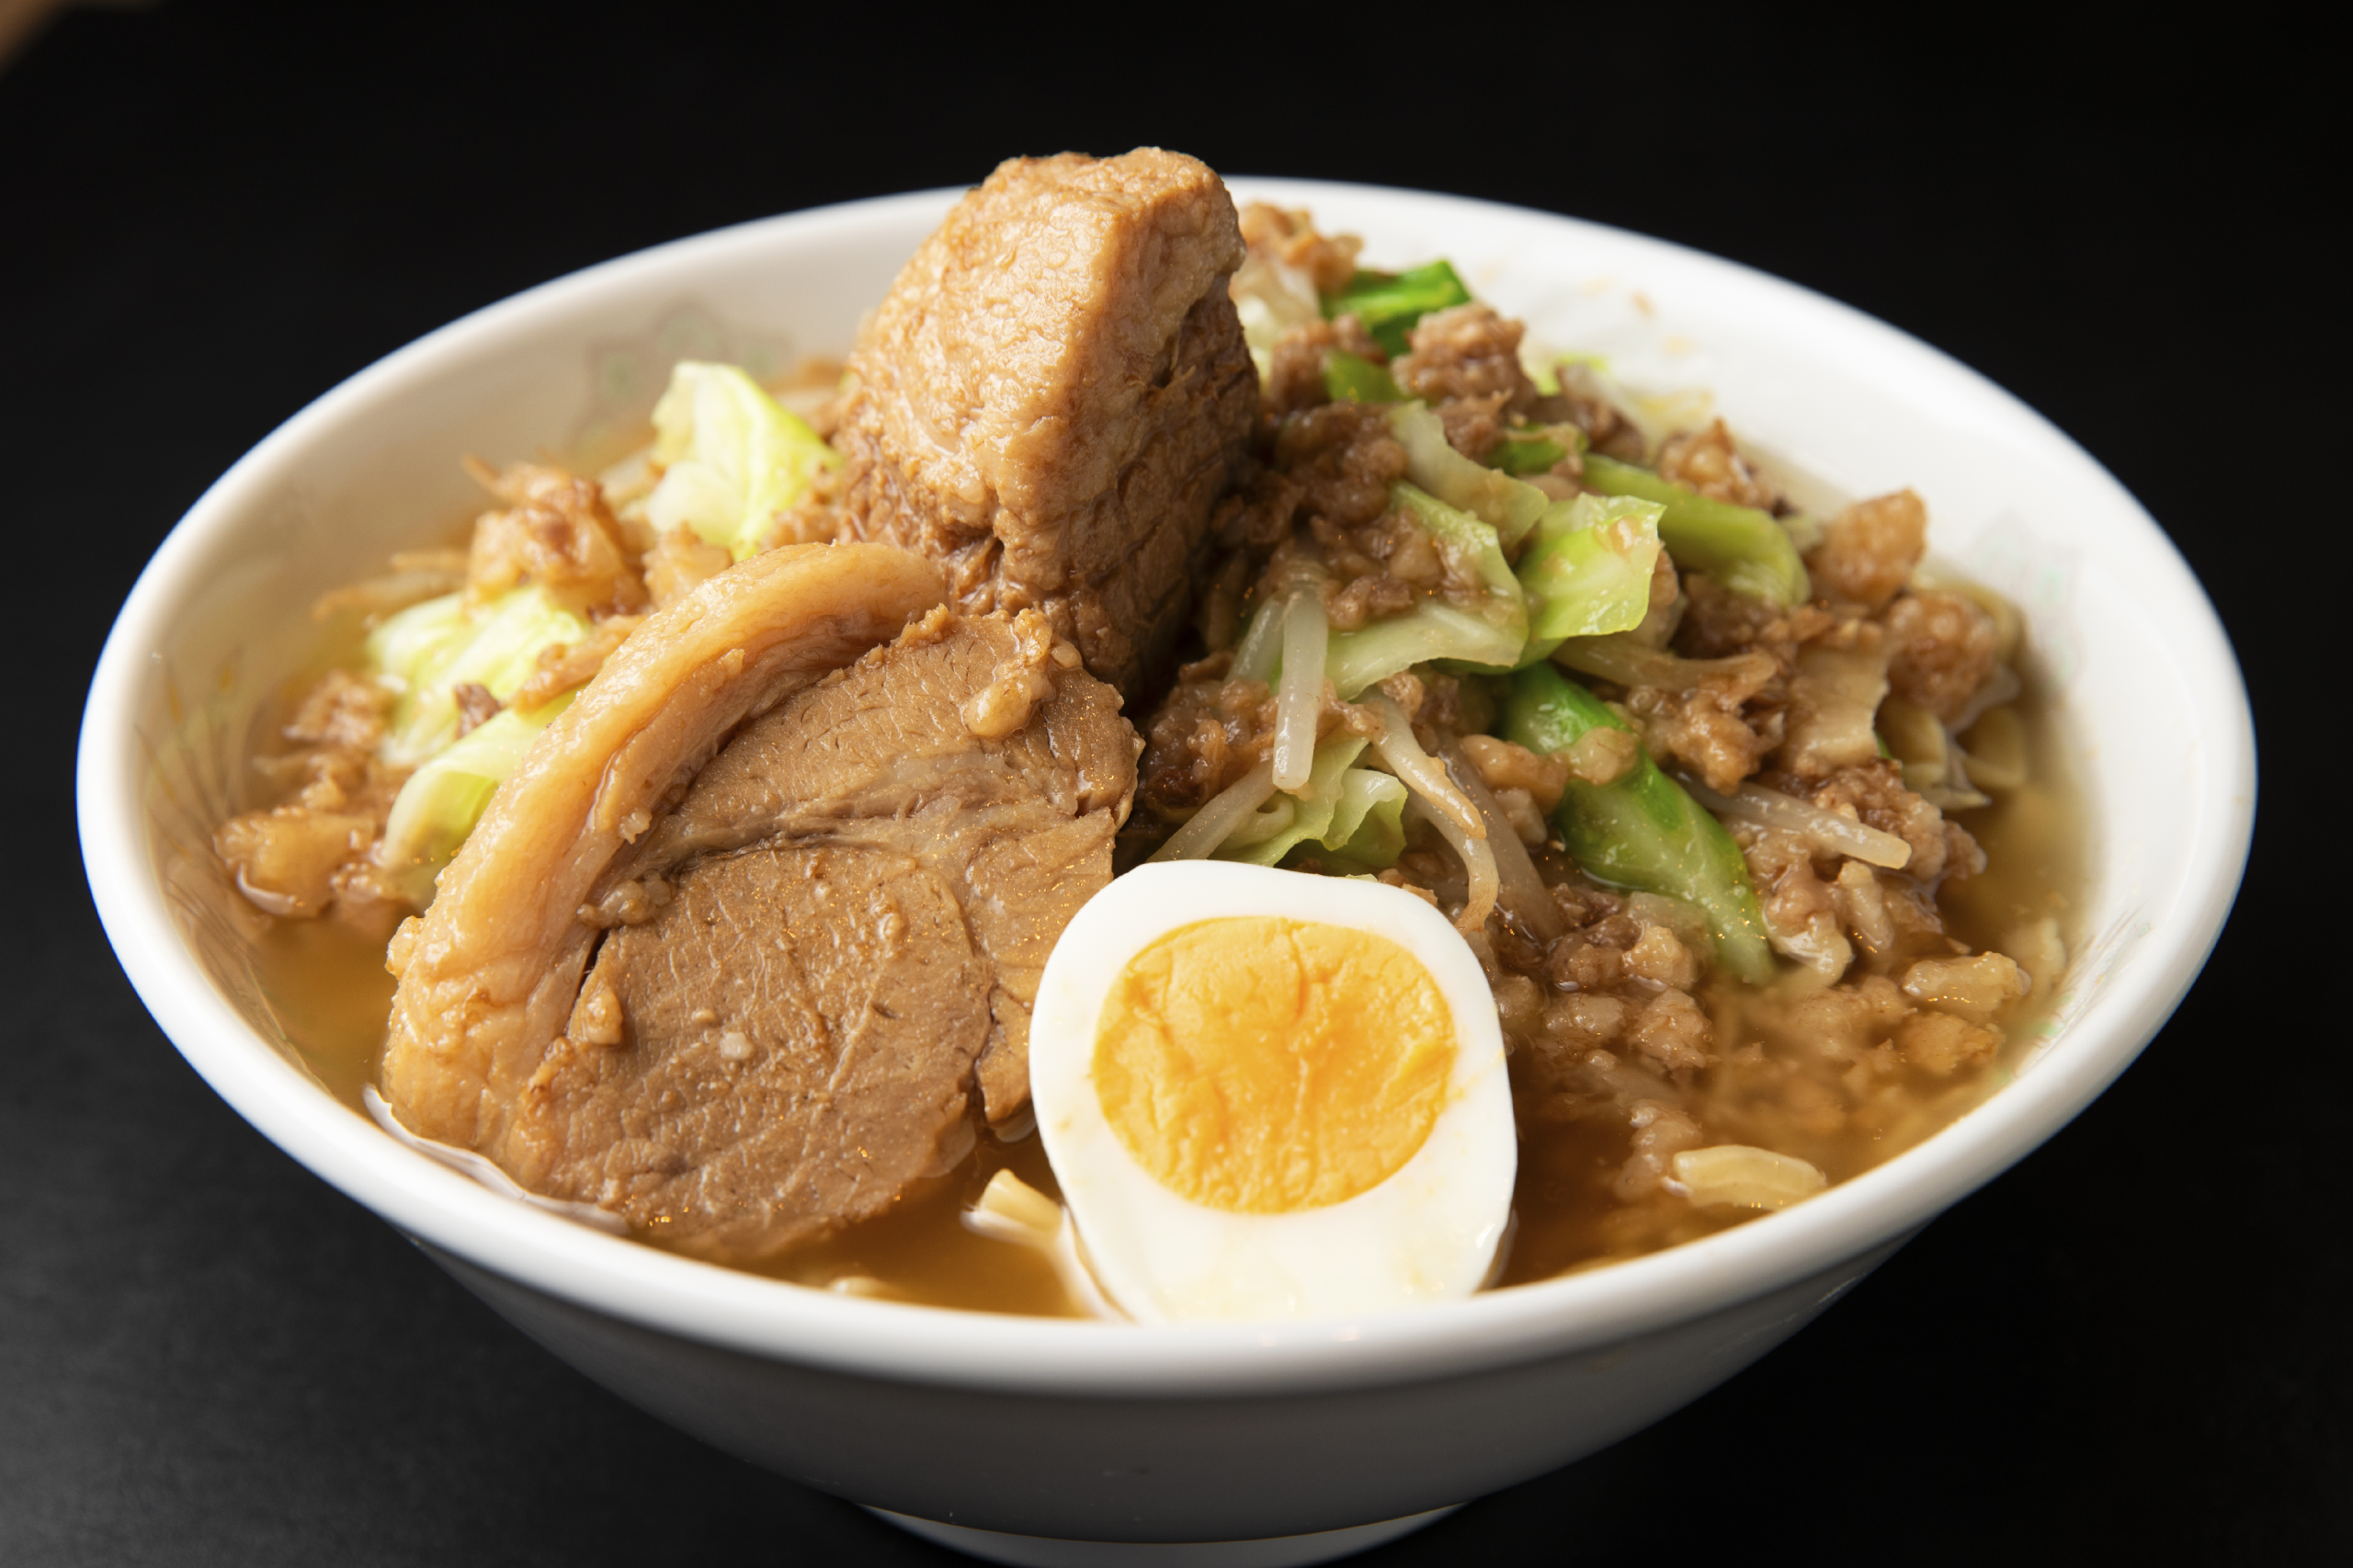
x=2133, y=1343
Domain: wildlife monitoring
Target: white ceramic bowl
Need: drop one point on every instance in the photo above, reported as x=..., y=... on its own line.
x=1088, y=1431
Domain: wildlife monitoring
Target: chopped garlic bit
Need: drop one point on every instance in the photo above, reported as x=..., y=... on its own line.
x=2038, y=950
x=1977, y=988
x=1745, y=1177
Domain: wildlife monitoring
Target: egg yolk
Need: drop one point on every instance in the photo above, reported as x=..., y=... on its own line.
x=1258, y=1065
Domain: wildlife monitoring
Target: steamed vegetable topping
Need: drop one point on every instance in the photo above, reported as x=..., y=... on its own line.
x=1509, y=543
x=733, y=458
x=1506, y=505
x=1470, y=541
x=1489, y=633
x=1641, y=831
x=1744, y=548
x=426, y=652
x=1432, y=633
x=442, y=800
x=1389, y=304
x=1528, y=454
x=1335, y=810
x=1348, y=377
x=1589, y=572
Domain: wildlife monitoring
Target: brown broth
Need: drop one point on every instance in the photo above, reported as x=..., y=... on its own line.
x=920, y=1250
x=329, y=986
x=1568, y=1219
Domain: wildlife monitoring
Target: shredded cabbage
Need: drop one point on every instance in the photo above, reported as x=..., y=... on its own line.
x=1432, y=629
x=1588, y=574
x=442, y=800
x=1509, y=506
x=1642, y=831
x=1368, y=824
x=1351, y=377
x=1389, y=304
x=1526, y=452
x=733, y=457
x=1357, y=814
x=1543, y=364
x=1589, y=376
x=1740, y=547
x=1461, y=534
x=1271, y=299
x=1491, y=639
x=1314, y=814
x=427, y=651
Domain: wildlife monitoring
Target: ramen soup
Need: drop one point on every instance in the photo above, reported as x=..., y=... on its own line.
x=1188, y=779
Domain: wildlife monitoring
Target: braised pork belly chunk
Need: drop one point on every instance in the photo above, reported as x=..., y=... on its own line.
x=1054, y=394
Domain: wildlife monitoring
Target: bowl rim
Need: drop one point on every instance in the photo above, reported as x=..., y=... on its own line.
x=774, y=1320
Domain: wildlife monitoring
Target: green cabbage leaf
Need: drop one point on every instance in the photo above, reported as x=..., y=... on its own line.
x=426, y=651
x=1354, y=812
x=1508, y=505
x=732, y=458
x=443, y=800
x=1489, y=638
x=1389, y=304
x=1642, y=831
x=1589, y=572
x=1352, y=378
x=1368, y=824
x=1746, y=549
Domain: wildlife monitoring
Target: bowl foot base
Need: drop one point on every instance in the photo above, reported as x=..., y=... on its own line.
x=1050, y=1551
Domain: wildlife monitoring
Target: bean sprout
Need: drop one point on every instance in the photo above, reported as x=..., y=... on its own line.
x=1254, y=659
x=1226, y=810
x=1260, y=826
x=1621, y=658
x=1406, y=759
x=1448, y=810
x=1524, y=896
x=1827, y=829
x=1299, y=701
x=1478, y=857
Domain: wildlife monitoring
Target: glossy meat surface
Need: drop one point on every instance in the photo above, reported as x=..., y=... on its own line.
x=1055, y=392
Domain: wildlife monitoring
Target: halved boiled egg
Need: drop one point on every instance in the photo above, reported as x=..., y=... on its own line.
x=1272, y=1095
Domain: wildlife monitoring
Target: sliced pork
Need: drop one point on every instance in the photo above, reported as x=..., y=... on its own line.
x=741, y=949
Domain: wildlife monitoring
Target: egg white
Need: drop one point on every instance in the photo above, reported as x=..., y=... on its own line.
x=1427, y=1234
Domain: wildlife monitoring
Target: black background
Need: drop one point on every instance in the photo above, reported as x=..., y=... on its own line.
x=2132, y=1343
